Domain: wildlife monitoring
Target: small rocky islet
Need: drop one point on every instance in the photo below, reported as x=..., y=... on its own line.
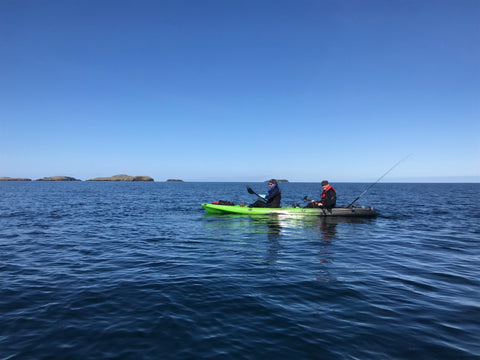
x=278, y=180
x=58, y=178
x=6, y=178
x=122, y=178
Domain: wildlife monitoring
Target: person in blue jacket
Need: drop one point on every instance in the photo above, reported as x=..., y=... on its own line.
x=272, y=199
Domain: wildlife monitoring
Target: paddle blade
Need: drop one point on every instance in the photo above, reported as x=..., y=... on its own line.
x=250, y=191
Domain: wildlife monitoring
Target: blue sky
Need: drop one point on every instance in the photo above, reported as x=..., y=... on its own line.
x=240, y=90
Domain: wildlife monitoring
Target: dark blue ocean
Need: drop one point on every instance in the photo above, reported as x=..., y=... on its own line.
x=132, y=270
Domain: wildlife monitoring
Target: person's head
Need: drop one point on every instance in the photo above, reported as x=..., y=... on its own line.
x=324, y=184
x=272, y=182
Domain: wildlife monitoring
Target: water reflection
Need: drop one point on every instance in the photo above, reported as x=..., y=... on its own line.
x=276, y=225
x=300, y=234
x=328, y=231
x=273, y=250
x=273, y=225
x=273, y=236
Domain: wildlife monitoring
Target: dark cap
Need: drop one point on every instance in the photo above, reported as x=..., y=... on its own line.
x=273, y=181
x=324, y=182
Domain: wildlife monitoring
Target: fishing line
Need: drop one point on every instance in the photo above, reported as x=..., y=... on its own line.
x=380, y=178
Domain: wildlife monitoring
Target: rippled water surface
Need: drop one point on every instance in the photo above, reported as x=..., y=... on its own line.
x=140, y=271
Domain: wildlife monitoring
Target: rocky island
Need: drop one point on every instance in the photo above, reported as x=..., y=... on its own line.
x=174, y=180
x=122, y=178
x=58, y=178
x=5, y=178
x=279, y=180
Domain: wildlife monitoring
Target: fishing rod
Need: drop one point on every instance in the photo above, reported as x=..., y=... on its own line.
x=380, y=178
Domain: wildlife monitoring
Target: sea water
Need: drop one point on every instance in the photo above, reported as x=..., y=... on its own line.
x=102, y=270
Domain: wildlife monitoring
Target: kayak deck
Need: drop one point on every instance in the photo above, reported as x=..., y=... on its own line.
x=288, y=210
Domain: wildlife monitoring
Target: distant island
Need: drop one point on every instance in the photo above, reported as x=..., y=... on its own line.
x=68, y=178
x=58, y=178
x=5, y=178
x=278, y=180
x=174, y=180
x=122, y=178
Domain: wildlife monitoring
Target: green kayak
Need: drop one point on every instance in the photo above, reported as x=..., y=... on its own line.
x=365, y=212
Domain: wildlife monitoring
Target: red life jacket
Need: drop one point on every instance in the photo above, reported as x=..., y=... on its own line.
x=325, y=192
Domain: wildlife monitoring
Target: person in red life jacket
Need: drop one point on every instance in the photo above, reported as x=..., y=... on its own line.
x=272, y=199
x=328, y=197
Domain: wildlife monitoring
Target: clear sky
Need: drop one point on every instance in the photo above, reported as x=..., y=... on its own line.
x=240, y=90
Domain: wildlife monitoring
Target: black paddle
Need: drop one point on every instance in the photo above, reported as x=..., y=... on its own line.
x=250, y=191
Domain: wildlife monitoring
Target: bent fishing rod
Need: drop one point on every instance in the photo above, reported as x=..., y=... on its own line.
x=380, y=178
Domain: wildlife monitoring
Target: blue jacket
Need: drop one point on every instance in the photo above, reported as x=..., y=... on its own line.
x=274, y=196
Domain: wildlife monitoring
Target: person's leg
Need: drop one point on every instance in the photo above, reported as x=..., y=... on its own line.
x=312, y=205
x=258, y=203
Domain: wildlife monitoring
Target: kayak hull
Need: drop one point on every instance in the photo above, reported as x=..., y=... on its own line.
x=364, y=212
